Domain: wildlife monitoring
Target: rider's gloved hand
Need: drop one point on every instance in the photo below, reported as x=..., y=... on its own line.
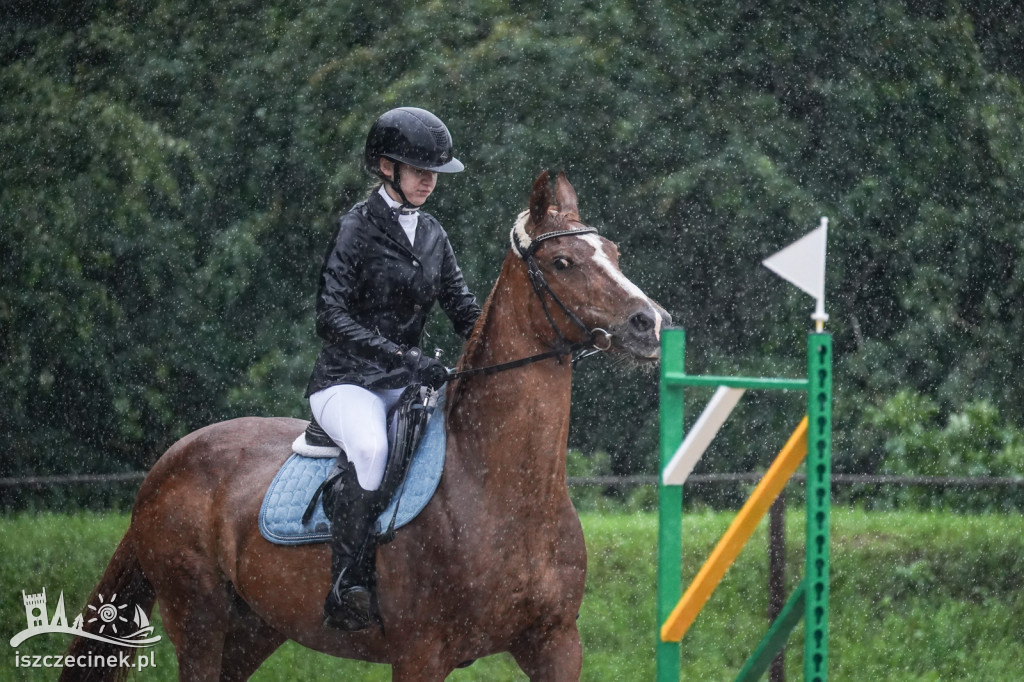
x=433, y=373
x=425, y=369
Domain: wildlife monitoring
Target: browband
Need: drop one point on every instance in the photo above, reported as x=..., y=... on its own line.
x=526, y=251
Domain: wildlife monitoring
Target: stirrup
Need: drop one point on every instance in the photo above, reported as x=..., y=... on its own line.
x=350, y=611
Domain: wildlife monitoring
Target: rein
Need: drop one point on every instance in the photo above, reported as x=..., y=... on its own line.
x=543, y=290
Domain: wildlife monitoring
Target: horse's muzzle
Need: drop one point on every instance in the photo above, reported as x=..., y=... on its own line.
x=640, y=334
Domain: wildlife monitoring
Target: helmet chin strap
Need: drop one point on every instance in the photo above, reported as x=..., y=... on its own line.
x=396, y=183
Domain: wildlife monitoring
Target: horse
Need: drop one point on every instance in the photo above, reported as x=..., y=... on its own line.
x=494, y=563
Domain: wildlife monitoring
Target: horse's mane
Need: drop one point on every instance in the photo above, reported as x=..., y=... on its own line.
x=456, y=389
x=474, y=338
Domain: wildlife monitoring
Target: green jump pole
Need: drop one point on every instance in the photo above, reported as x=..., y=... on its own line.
x=735, y=382
x=670, y=502
x=819, y=494
x=775, y=639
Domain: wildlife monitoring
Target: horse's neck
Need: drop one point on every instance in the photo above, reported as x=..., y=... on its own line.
x=511, y=427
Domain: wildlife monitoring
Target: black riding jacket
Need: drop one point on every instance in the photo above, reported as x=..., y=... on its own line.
x=376, y=291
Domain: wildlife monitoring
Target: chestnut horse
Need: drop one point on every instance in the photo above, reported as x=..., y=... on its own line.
x=495, y=562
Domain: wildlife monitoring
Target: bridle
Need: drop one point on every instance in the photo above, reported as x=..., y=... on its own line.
x=598, y=340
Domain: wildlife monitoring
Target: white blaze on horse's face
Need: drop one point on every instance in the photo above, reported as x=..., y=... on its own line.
x=603, y=262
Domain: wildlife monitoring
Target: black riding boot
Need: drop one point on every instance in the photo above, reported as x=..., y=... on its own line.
x=351, y=511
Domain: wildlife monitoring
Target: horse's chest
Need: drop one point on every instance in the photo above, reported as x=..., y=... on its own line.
x=525, y=573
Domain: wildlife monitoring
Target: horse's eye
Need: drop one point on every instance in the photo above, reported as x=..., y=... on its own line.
x=562, y=263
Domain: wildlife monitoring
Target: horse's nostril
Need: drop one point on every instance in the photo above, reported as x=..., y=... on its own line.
x=642, y=322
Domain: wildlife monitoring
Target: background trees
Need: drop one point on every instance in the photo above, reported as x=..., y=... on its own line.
x=172, y=171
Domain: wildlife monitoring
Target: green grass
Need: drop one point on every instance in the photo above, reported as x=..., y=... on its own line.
x=915, y=596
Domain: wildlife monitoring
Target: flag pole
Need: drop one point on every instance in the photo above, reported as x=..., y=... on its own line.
x=820, y=317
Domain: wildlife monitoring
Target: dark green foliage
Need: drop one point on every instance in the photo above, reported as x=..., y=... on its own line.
x=974, y=442
x=172, y=170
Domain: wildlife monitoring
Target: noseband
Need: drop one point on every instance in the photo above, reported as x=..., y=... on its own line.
x=597, y=339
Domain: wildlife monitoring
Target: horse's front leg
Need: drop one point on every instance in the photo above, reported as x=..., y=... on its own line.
x=554, y=655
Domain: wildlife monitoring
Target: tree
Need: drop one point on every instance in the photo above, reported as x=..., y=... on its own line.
x=179, y=166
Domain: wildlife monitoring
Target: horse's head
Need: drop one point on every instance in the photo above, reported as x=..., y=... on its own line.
x=581, y=293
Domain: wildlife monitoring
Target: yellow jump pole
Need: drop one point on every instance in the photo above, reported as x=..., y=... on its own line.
x=740, y=530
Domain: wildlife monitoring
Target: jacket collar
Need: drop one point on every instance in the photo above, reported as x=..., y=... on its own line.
x=386, y=219
x=396, y=205
x=379, y=208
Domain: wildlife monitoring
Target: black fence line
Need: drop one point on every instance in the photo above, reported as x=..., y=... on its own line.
x=695, y=479
x=71, y=479
x=841, y=479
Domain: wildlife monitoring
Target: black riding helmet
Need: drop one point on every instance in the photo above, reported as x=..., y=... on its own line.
x=411, y=136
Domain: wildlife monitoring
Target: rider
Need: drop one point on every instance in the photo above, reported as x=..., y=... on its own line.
x=386, y=265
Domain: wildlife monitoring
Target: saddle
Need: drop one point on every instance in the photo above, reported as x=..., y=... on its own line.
x=408, y=422
x=290, y=514
x=313, y=440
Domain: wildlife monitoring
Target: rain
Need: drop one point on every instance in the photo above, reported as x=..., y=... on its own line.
x=174, y=174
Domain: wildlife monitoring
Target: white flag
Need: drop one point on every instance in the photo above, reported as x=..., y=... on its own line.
x=802, y=263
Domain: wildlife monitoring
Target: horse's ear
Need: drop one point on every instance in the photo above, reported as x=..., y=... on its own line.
x=565, y=195
x=540, y=199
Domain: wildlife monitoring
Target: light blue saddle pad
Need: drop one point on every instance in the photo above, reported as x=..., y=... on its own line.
x=289, y=493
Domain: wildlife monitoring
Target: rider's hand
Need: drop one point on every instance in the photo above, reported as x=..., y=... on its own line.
x=411, y=358
x=432, y=373
x=424, y=369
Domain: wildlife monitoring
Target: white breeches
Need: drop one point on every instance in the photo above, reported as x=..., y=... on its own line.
x=356, y=419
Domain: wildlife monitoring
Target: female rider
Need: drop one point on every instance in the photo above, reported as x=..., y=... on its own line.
x=386, y=266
